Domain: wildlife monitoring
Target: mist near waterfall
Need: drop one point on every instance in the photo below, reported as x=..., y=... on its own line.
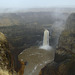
x=59, y=25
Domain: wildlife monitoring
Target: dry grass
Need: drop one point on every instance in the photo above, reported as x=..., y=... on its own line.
x=4, y=72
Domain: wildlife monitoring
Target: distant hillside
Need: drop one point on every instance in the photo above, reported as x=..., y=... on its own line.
x=31, y=16
x=8, y=19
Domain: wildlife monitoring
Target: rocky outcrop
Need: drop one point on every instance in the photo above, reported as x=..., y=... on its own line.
x=67, y=38
x=65, y=68
x=21, y=70
x=6, y=59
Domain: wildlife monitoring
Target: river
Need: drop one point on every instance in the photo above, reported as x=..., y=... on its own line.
x=36, y=59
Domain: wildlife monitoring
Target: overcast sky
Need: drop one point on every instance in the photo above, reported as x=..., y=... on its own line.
x=36, y=3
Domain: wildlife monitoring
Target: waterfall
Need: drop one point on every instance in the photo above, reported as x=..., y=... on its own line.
x=46, y=38
x=46, y=45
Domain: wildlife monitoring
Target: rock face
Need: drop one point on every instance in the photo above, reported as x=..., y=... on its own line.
x=64, y=62
x=67, y=38
x=6, y=60
x=64, y=68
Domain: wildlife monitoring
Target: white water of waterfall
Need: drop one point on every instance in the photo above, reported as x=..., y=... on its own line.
x=46, y=45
